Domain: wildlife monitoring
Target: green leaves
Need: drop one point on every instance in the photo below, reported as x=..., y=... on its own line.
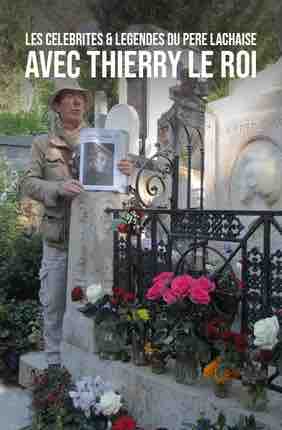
x=15, y=20
x=16, y=327
x=22, y=123
x=203, y=423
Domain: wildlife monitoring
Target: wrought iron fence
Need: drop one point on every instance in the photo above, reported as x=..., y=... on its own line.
x=193, y=240
x=206, y=242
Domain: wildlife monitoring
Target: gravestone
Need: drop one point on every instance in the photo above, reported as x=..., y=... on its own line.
x=91, y=243
x=125, y=117
x=90, y=260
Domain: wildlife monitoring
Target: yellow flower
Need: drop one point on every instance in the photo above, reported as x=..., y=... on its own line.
x=211, y=368
x=211, y=371
x=149, y=349
x=143, y=314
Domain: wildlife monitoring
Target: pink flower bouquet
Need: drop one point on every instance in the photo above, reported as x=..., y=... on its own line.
x=172, y=289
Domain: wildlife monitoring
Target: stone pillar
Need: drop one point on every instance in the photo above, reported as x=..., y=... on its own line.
x=90, y=259
x=101, y=109
x=122, y=91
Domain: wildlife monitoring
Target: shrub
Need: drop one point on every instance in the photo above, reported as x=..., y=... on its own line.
x=9, y=209
x=19, y=323
x=19, y=255
x=22, y=123
x=19, y=272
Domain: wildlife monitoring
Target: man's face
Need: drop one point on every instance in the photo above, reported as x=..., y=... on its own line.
x=100, y=162
x=71, y=105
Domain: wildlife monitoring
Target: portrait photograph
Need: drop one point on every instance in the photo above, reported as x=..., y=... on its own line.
x=101, y=151
x=99, y=166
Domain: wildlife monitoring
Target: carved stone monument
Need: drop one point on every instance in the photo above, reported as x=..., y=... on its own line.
x=90, y=259
x=91, y=242
x=243, y=146
x=125, y=117
x=187, y=112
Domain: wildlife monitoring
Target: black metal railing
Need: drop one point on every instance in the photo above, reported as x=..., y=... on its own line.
x=194, y=240
x=166, y=237
x=206, y=242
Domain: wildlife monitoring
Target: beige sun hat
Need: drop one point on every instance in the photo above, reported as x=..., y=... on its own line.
x=62, y=84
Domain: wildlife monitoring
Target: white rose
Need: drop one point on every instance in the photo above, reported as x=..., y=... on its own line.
x=94, y=292
x=265, y=332
x=110, y=403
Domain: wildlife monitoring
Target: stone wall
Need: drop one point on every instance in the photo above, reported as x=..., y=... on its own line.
x=158, y=401
x=16, y=149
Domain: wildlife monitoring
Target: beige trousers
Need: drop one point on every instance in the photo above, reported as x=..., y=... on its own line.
x=52, y=295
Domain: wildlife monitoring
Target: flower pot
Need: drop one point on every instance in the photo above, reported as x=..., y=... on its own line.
x=187, y=368
x=158, y=365
x=222, y=390
x=254, y=397
x=138, y=353
x=110, y=343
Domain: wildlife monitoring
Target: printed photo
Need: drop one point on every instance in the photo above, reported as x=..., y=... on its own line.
x=99, y=164
x=101, y=151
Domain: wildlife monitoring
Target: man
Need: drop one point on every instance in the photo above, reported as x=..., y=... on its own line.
x=49, y=181
x=100, y=166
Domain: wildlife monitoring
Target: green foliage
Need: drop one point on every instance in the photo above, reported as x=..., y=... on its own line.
x=116, y=16
x=9, y=227
x=19, y=271
x=15, y=20
x=50, y=397
x=182, y=16
x=19, y=262
x=44, y=88
x=256, y=17
x=19, y=255
x=203, y=423
x=53, y=408
x=22, y=123
x=16, y=326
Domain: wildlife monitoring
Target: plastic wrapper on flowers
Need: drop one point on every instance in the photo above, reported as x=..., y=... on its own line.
x=87, y=391
x=266, y=333
x=90, y=310
x=97, y=398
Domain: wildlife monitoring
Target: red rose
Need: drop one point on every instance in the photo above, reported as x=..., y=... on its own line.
x=139, y=213
x=265, y=355
x=114, y=301
x=214, y=326
x=129, y=297
x=212, y=330
x=241, y=342
x=118, y=292
x=51, y=398
x=124, y=422
x=76, y=294
x=227, y=336
x=123, y=228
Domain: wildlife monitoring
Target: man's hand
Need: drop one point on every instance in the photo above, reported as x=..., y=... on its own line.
x=70, y=189
x=126, y=167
